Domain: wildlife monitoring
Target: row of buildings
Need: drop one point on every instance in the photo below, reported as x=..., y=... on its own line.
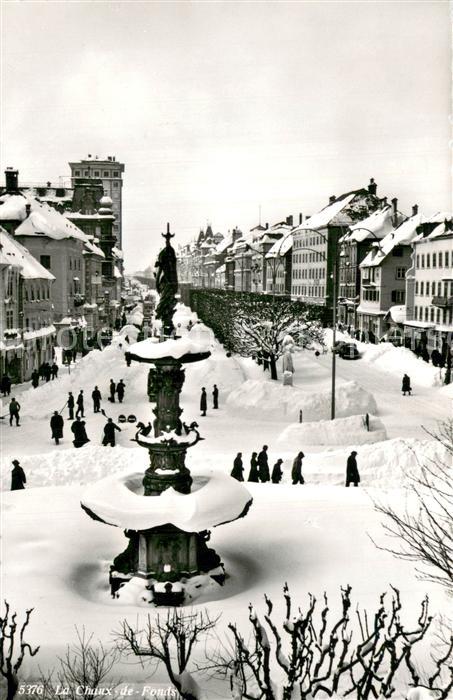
x=60, y=264
x=382, y=269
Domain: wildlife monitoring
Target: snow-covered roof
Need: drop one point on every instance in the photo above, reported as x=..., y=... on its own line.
x=397, y=314
x=224, y=244
x=281, y=247
x=379, y=222
x=91, y=247
x=402, y=235
x=117, y=253
x=323, y=217
x=117, y=273
x=42, y=220
x=440, y=230
x=13, y=253
x=215, y=499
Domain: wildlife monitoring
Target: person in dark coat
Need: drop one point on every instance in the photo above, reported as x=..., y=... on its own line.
x=406, y=385
x=127, y=357
x=54, y=371
x=71, y=405
x=215, y=397
x=47, y=372
x=14, y=408
x=96, y=396
x=277, y=472
x=109, y=433
x=203, y=401
x=80, y=434
x=18, y=478
x=263, y=466
x=296, y=471
x=352, y=471
x=35, y=379
x=6, y=385
x=120, y=387
x=238, y=470
x=253, y=475
x=112, y=391
x=56, y=425
x=42, y=371
x=80, y=405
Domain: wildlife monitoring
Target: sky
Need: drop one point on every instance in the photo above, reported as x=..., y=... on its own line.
x=220, y=109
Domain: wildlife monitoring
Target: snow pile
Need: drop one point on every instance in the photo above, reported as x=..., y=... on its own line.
x=215, y=499
x=384, y=464
x=401, y=361
x=130, y=331
x=96, y=368
x=341, y=431
x=76, y=465
x=183, y=315
x=272, y=401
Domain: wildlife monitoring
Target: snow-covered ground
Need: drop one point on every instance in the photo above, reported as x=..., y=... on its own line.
x=316, y=537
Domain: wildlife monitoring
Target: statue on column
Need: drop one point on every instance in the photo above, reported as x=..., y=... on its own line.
x=166, y=284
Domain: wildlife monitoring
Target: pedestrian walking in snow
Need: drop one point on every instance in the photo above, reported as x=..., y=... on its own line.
x=238, y=470
x=296, y=471
x=14, y=409
x=120, y=387
x=35, y=379
x=277, y=472
x=71, y=403
x=215, y=397
x=80, y=434
x=352, y=470
x=42, y=371
x=253, y=474
x=6, y=385
x=47, y=372
x=80, y=405
x=406, y=385
x=96, y=396
x=18, y=478
x=203, y=401
x=54, y=371
x=56, y=426
x=263, y=465
x=112, y=391
x=109, y=433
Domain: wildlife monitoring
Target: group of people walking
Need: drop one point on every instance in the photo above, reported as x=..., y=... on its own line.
x=78, y=426
x=114, y=390
x=204, y=399
x=260, y=473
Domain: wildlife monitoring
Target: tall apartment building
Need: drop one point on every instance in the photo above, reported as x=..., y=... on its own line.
x=110, y=172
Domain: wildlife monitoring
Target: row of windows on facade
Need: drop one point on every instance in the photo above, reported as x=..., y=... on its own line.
x=37, y=293
x=30, y=324
x=96, y=173
x=305, y=290
x=425, y=313
x=432, y=288
x=440, y=259
x=306, y=273
x=46, y=261
x=308, y=241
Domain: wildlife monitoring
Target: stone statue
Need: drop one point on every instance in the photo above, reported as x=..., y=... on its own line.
x=166, y=284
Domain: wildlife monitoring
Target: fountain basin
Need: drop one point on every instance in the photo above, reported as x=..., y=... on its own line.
x=183, y=350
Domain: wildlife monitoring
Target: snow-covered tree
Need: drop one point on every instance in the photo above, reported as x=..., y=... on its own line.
x=261, y=324
x=424, y=533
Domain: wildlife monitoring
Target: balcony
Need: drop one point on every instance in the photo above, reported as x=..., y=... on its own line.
x=442, y=302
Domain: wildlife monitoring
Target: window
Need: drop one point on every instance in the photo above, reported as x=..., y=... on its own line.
x=426, y=313
x=400, y=273
x=440, y=260
x=433, y=288
x=422, y=288
x=45, y=261
x=438, y=316
x=435, y=260
x=76, y=173
x=116, y=173
x=431, y=314
x=106, y=173
x=423, y=261
x=439, y=289
x=417, y=264
x=86, y=173
x=446, y=258
x=398, y=296
x=115, y=184
x=416, y=287
x=96, y=173
x=70, y=263
x=428, y=260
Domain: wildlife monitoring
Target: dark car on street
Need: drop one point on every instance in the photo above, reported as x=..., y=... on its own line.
x=349, y=351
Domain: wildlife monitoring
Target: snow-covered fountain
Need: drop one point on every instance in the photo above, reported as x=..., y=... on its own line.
x=167, y=513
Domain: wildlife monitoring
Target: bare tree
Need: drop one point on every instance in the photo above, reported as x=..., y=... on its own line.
x=307, y=656
x=425, y=533
x=13, y=648
x=170, y=640
x=83, y=669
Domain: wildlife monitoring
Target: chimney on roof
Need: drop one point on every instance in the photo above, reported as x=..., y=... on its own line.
x=372, y=187
x=383, y=202
x=301, y=218
x=48, y=183
x=332, y=198
x=395, y=212
x=266, y=226
x=289, y=220
x=415, y=210
x=11, y=180
x=448, y=225
x=27, y=210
